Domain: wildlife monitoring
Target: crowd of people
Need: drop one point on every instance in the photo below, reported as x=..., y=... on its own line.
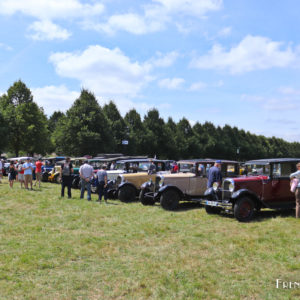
x=22, y=171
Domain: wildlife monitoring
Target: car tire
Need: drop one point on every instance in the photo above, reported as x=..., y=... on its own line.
x=144, y=199
x=244, y=209
x=212, y=210
x=169, y=200
x=94, y=189
x=127, y=194
x=45, y=177
x=57, y=179
x=75, y=183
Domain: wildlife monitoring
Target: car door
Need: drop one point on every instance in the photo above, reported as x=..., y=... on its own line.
x=277, y=192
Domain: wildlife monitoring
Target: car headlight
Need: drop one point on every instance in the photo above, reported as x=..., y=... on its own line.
x=161, y=182
x=215, y=186
x=231, y=186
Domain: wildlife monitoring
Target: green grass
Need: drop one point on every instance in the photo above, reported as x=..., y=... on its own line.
x=52, y=248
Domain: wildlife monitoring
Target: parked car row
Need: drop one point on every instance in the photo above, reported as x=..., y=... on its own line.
x=262, y=183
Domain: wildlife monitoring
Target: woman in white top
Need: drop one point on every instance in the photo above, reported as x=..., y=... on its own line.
x=297, y=193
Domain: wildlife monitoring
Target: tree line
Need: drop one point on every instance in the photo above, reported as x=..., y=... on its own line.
x=88, y=128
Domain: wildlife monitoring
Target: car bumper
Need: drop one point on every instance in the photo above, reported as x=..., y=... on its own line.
x=224, y=204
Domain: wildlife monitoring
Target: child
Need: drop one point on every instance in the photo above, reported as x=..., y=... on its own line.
x=11, y=174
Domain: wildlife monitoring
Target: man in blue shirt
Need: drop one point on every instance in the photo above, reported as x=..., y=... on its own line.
x=214, y=174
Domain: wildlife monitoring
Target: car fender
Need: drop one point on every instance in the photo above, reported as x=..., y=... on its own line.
x=246, y=192
x=126, y=184
x=147, y=185
x=210, y=194
x=169, y=187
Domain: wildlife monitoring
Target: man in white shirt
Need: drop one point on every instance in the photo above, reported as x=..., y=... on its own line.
x=86, y=172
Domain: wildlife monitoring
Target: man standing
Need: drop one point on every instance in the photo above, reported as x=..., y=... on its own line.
x=102, y=181
x=86, y=174
x=66, y=172
x=1, y=167
x=28, y=167
x=38, y=172
x=214, y=174
x=152, y=168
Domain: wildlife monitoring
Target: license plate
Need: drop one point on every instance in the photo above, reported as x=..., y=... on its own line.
x=212, y=203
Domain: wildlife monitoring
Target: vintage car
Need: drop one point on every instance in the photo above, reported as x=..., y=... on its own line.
x=265, y=185
x=128, y=185
x=54, y=175
x=189, y=184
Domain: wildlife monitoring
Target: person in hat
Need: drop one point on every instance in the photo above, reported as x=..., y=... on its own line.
x=214, y=174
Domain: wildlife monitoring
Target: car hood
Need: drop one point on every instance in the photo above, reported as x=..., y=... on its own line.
x=179, y=175
x=250, y=178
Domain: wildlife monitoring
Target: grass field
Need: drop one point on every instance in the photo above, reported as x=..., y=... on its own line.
x=52, y=248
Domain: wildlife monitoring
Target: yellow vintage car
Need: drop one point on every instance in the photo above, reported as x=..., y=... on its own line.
x=55, y=174
x=128, y=185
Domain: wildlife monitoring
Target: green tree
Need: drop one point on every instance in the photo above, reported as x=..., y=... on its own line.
x=117, y=125
x=28, y=130
x=3, y=134
x=85, y=130
x=54, y=119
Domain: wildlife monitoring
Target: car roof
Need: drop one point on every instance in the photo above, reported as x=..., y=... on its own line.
x=267, y=161
x=207, y=160
x=142, y=160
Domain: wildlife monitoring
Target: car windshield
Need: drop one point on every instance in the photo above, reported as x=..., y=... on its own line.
x=258, y=169
x=186, y=167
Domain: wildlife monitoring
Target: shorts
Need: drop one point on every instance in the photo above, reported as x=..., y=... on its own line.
x=21, y=177
x=38, y=176
x=28, y=177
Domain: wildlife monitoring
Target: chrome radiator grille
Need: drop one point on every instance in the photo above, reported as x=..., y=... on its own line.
x=226, y=194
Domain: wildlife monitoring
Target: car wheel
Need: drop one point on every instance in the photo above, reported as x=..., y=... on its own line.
x=94, y=189
x=45, y=176
x=212, y=210
x=127, y=194
x=57, y=179
x=244, y=209
x=169, y=200
x=144, y=199
x=75, y=182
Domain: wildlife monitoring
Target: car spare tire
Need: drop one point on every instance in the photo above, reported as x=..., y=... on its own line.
x=144, y=199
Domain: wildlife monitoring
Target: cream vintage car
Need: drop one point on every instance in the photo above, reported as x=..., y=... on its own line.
x=189, y=184
x=128, y=185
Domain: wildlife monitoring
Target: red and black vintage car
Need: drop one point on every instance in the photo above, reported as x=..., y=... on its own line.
x=266, y=184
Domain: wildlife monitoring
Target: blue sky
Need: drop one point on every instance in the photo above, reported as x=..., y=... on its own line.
x=224, y=61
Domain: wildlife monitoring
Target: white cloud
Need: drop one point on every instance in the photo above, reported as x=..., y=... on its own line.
x=171, y=83
x=53, y=98
x=224, y=32
x=54, y=9
x=286, y=90
x=190, y=7
x=275, y=104
x=107, y=72
x=46, y=11
x=164, y=60
x=46, y=30
x=252, y=53
x=155, y=16
x=197, y=86
x=132, y=23
x=5, y=47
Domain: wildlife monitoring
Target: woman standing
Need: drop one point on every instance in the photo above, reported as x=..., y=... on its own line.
x=11, y=174
x=297, y=192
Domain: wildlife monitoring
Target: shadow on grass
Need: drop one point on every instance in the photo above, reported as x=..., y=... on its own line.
x=265, y=215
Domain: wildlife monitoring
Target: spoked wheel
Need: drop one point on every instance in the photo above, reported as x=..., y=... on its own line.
x=244, y=209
